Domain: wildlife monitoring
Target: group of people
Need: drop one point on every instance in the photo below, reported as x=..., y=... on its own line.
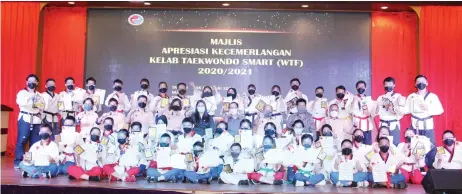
x=257, y=140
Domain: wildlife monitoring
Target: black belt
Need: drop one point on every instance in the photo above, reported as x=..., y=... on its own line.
x=52, y=118
x=276, y=114
x=31, y=121
x=49, y=113
x=28, y=113
x=69, y=111
x=388, y=122
x=424, y=120
x=251, y=115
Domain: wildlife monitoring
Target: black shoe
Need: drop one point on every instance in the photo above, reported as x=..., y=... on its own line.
x=243, y=182
x=25, y=174
x=71, y=177
x=204, y=181
x=400, y=185
x=184, y=180
x=278, y=182
x=220, y=181
x=151, y=179
x=173, y=180
x=46, y=175
x=215, y=179
x=354, y=184
x=94, y=178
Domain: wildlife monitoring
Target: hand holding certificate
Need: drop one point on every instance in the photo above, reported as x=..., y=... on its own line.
x=345, y=170
x=379, y=173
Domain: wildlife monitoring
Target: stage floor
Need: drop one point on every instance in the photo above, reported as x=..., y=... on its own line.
x=10, y=176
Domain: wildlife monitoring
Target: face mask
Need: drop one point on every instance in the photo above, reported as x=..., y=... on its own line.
x=267, y=147
x=31, y=85
x=421, y=86
x=235, y=154
x=267, y=114
x=144, y=86
x=176, y=108
x=219, y=130
x=388, y=88
x=44, y=136
x=334, y=114
x=275, y=93
x=408, y=139
x=182, y=92
x=231, y=95
x=207, y=94
x=361, y=90
x=87, y=107
x=251, y=91
x=121, y=141
x=91, y=87
x=295, y=87
x=448, y=142
x=328, y=134
x=94, y=138
x=307, y=146
x=51, y=88
x=187, y=130
x=108, y=127
x=197, y=152
x=113, y=108
x=163, y=90
x=233, y=111
x=118, y=88
x=163, y=144
x=298, y=130
x=301, y=110
x=340, y=95
x=384, y=149
x=346, y=151
x=70, y=87
x=142, y=104
x=269, y=132
x=201, y=109
x=359, y=139
x=319, y=95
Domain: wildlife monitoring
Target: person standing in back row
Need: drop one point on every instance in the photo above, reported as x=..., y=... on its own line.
x=361, y=109
x=123, y=104
x=293, y=95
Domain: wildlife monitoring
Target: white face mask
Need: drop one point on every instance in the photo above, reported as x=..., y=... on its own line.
x=298, y=130
x=201, y=109
x=233, y=111
x=334, y=114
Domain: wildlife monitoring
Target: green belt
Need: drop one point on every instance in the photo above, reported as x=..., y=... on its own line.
x=304, y=172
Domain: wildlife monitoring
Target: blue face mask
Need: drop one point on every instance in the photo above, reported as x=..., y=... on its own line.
x=307, y=146
x=328, y=134
x=235, y=154
x=267, y=147
x=269, y=132
x=163, y=144
x=87, y=107
x=219, y=130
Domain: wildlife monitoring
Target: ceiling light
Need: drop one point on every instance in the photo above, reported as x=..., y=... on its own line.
x=305, y=6
x=384, y=7
x=71, y=3
x=147, y=3
x=225, y=4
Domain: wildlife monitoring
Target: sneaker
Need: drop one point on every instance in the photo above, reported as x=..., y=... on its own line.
x=322, y=183
x=130, y=179
x=354, y=184
x=365, y=184
x=221, y=181
x=16, y=167
x=94, y=178
x=339, y=184
x=46, y=175
x=359, y=184
x=25, y=174
x=278, y=182
x=151, y=179
x=253, y=182
x=401, y=185
x=299, y=183
x=243, y=182
x=71, y=177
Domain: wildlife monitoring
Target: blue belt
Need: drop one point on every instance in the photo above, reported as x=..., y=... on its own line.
x=424, y=120
x=276, y=114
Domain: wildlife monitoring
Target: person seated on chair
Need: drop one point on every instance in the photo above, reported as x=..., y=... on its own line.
x=305, y=171
x=271, y=174
x=89, y=167
x=221, y=143
x=67, y=156
x=42, y=157
x=175, y=115
x=154, y=173
x=117, y=115
x=359, y=171
x=413, y=161
x=443, y=160
x=237, y=166
x=197, y=172
x=127, y=156
x=390, y=163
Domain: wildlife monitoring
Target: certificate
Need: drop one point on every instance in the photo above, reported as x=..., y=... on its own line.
x=163, y=157
x=457, y=156
x=237, y=139
x=260, y=106
x=104, y=140
x=226, y=106
x=28, y=156
x=152, y=132
x=178, y=161
x=148, y=153
x=327, y=142
x=441, y=150
x=186, y=102
x=164, y=102
x=345, y=170
x=160, y=130
x=379, y=173
x=246, y=139
x=369, y=155
x=227, y=168
x=322, y=155
x=78, y=150
x=209, y=133
x=41, y=159
x=274, y=156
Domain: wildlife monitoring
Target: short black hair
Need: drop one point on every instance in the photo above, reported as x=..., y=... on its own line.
x=136, y=123
x=91, y=100
x=32, y=75
x=46, y=125
x=296, y=79
x=326, y=125
x=448, y=131
x=251, y=86
x=319, y=87
x=188, y=120
x=144, y=80
x=378, y=132
x=109, y=118
x=354, y=131
x=226, y=125
x=419, y=76
x=113, y=100
x=70, y=118
x=90, y=79
x=119, y=81
x=276, y=86
x=298, y=121
x=95, y=128
x=69, y=78
x=237, y=105
x=411, y=129
x=304, y=136
x=166, y=135
x=301, y=100
x=179, y=84
x=142, y=96
x=124, y=131
x=162, y=82
x=389, y=79
x=198, y=143
x=245, y=121
x=361, y=82
x=382, y=138
x=270, y=123
x=236, y=144
x=341, y=87
x=50, y=79
x=346, y=140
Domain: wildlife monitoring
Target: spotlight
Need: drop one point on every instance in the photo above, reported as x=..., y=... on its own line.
x=305, y=6
x=147, y=3
x=71, y=3
x=225, y=4
x=384, y=7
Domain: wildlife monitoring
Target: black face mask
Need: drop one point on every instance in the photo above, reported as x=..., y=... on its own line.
x=44, y=136
x=91, y=87
x=144, y=86
x=295, y=87
x=118, y=88
x=346, y=151
x=319, y=95
x=388, y=88
x=163, y=90
x=231, y=95
x=340, y=95
x=122, y=141
x=361, y=90
x=113, y=108
x=142, y=104
x=197, y=152
x=448, y=142
x=108, y=127
x=31, y=85
x=251, y=91
x=269, y=132
x=219, y=130
x=187, y=130
x=207, y=94
x=275, y=93
x=51, y=88
x=328, y=134
x=70, y=87
x=176, y=108
x=421, y=86
x=359, y=139
x=182, y=91
x=408, y=139
x=384, y=149
x=94, y=138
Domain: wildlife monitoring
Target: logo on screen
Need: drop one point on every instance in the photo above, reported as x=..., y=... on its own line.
x=135, y=19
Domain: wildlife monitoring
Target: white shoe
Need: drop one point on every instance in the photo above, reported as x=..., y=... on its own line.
x=322, y=183
x=360, y=184
x=365, y=184
x=339, y=184
x=299, y=183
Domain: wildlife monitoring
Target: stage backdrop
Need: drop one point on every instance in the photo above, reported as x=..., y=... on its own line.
x=228, y=49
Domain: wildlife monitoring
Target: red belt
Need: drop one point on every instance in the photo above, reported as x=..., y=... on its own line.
x=362, y=118
x=316, y=121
